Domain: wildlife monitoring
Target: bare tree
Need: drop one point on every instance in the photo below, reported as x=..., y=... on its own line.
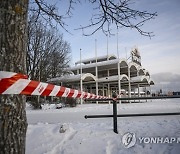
x=59, y=61
x=47, y=53
x=13, y=45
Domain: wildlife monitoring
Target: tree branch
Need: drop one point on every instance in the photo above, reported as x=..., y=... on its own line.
x=119, y=13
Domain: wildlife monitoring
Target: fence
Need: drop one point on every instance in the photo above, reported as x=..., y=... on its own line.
x=114, y=115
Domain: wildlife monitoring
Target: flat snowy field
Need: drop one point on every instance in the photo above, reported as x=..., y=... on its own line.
x=96, y=136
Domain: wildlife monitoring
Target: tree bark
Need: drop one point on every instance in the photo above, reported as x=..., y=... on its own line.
x=13, y=43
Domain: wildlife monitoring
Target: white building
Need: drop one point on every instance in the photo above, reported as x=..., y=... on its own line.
x=106, y=74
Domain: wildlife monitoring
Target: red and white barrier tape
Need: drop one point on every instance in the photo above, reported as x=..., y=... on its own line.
x=14, y=83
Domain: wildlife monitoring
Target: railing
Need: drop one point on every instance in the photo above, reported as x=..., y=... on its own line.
x=14, y=83
x=114, y=115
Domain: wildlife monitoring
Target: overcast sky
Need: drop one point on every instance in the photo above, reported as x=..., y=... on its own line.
x=161, y=54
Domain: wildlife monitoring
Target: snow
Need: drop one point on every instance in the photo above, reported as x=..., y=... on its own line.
x=102, y=63
x=96, y=136
x=94, y=58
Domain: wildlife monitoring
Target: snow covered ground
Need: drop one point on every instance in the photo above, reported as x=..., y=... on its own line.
x=96, y=136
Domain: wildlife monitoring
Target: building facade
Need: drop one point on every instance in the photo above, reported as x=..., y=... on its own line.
x=107, y=74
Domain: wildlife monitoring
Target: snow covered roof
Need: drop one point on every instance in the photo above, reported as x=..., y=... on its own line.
x=113, y=78
x=139, y=79
x=108, y=63
x=74, y=78
x=133, y=64
x=142, y=80
x=100, y=58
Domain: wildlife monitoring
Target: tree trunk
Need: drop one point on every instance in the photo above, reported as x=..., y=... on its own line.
x=13, y=40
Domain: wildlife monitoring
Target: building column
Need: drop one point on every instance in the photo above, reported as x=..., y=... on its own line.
x=138, y=92
x=134, y=93
x=119, y=81
x=103, y=89
x=129, y=84
x=81, y=84
x=91, y=89
x=96, y=83
x=97, y=90
x=146, y=93
x=109, y=92
x=81, y=89
x=150, y=90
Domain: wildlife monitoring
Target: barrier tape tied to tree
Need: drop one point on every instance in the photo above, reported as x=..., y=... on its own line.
x=15, y=83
